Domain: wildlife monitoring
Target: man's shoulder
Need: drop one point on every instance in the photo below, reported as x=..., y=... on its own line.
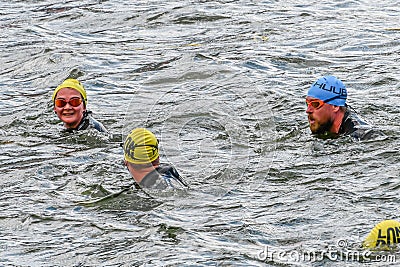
x=163, y=177
x=357, y=127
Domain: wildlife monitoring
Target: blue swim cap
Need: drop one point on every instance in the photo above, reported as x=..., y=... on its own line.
x=329, y=89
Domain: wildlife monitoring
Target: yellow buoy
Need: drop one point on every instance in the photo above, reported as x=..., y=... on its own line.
x=384, y=234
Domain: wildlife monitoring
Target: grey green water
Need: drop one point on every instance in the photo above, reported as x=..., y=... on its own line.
x=222, y=84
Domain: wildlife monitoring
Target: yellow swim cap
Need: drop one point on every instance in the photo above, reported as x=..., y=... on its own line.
x=141, y=146
x=74, y=84
x=385, y=233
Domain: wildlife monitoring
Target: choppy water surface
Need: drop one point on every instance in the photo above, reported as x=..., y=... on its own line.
x=222, y=85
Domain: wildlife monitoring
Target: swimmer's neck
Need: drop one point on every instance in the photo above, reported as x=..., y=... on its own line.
x=139, y=174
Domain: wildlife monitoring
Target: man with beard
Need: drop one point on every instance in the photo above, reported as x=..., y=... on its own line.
x=328, y=114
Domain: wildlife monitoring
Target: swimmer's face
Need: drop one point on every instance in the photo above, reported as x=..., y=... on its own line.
x=320, y=117
x=68, y=108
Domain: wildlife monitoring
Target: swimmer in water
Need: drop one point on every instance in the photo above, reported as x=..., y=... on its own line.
x=329, y=115
x=143, y=162
x=70, y=101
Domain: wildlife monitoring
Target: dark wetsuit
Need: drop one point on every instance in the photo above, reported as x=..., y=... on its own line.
x=355, y=127
x=352, y=125
x=164, y=176
x=89, y=122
